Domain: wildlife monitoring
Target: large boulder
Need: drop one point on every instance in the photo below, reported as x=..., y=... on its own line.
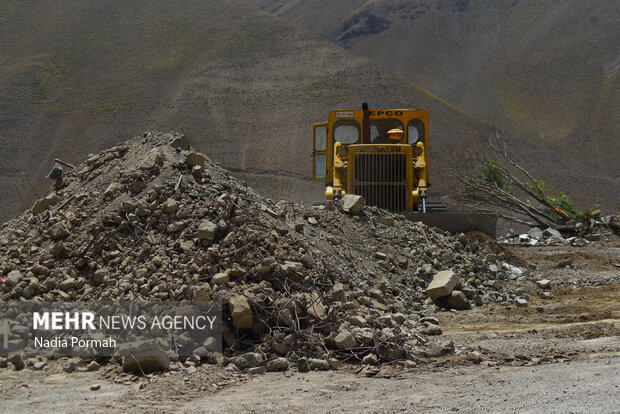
x=352, y=203
x=442, y=284
x=143, y=357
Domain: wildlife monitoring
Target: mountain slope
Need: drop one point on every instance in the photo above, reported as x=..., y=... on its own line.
x=546, y=68
x=76, y=79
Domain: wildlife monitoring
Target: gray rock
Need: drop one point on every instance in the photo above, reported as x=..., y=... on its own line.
x=220, y=279
x=55, y=173
x=207, y=230
x=38, y=366
x=457, y=300
x=357, y=320
x=256, y=370
x=552, y=233
x=67, y=284
x=431, y=329
x=44, y=203
x=345, y=340
x=337, y=293
x=195, y=158
x=333, y=363
x=113, y=189
x=93, y=366
x=153, y=159
x=241, y=312
x=14, y=277
x=180, y=142
x=535, y=233
x=143, y=356
x=352, y=203
x=442, y=284
x=170, y=206
x=302, y=365
x=176, y=226
x=59, y=230
x=521, y=303
x=564, y=263
x=381, y=256
x=99, y=276
x=513, y=271
x=333, y=240
x=370, y=359
x=318, y=364
x=278, y=364
x=197, y=171
x=543, y=283
x=69, y=366
x=248, y=360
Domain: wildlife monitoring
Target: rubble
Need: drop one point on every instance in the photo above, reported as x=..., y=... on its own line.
x=575, y=233
x=138, y=223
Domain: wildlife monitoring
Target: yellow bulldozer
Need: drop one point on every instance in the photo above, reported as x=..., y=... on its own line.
x=382, y=155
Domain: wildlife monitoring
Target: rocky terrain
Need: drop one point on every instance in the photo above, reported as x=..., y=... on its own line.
x=152, y=219
x=348, y=289
x=547, y=68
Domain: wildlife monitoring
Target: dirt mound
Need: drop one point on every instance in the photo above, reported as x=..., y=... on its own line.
x=153, y=219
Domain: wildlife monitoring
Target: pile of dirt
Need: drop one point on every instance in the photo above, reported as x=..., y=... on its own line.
x=152, y=219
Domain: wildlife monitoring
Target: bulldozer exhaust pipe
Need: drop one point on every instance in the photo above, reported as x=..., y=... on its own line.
x=365, y=124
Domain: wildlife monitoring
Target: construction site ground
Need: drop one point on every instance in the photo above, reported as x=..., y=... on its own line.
x=556, y=355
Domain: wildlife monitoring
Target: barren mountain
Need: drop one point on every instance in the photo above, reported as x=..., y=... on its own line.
x=243, y=85
x=549, y=68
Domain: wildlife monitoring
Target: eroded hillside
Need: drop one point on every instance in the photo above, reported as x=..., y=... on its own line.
x=548, y=69
x=77, y=79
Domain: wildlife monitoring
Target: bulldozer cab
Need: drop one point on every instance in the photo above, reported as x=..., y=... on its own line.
x=353, y=154
x=345, y=127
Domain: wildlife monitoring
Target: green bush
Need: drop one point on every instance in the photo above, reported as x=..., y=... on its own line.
x=491, y=174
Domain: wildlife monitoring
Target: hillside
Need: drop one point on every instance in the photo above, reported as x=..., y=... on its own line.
x=548, y=69
x=75, y=79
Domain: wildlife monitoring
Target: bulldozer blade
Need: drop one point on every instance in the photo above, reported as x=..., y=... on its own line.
x=457, y=222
